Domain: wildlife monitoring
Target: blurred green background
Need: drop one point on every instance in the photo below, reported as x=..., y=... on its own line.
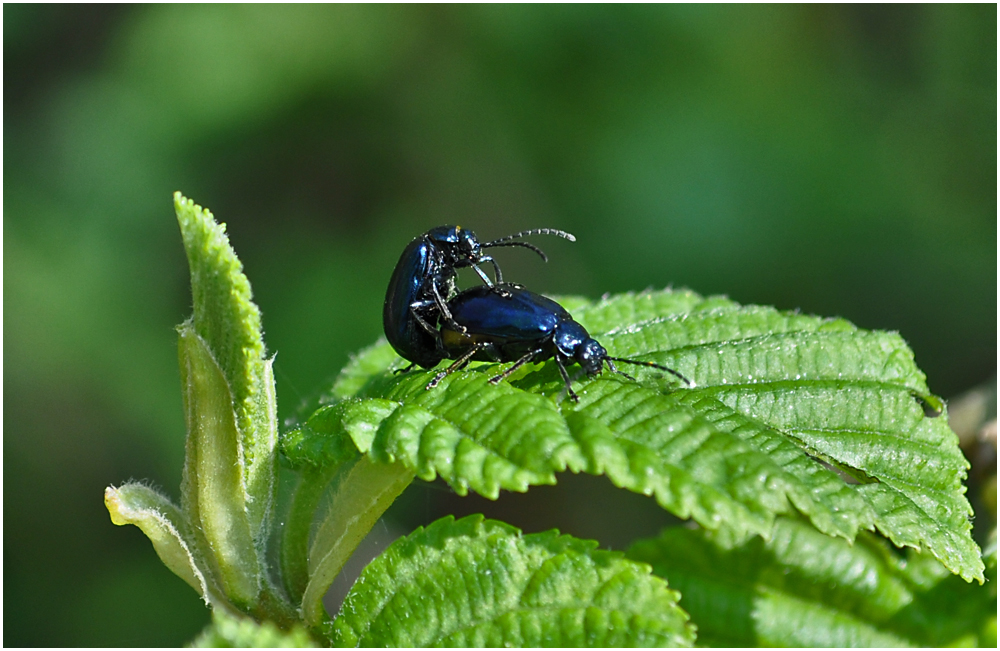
x=839, y=160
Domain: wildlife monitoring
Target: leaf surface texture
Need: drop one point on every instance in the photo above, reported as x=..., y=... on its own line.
x=476, y=583
x=790, y=414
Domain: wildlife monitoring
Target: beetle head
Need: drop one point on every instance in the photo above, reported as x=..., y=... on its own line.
x=458, y=246
x=590, y=355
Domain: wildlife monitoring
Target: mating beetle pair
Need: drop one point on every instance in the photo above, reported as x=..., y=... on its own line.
x=426, y=322
x=424, y=279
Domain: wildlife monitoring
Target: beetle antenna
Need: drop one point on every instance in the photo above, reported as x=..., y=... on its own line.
x=526, y=245
x=509, y=240
x=649, y=364
x=534, y=231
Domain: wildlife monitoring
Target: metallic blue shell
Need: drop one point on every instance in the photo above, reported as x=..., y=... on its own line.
x=515, y=315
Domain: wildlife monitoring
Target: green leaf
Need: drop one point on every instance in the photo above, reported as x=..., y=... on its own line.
x=315, y=544
x=229, y=481
x=322, y=441
x=169, y=531
x=481, y=583
x=779, y=399
x=802, y=588
x=213, y=482
x=228, y=322
x=361, y=498
x=232, y=631
x=368, y=362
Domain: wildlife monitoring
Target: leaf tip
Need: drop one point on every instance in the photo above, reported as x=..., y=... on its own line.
x=112, y=501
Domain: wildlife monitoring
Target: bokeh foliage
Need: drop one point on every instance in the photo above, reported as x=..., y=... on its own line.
x=841, y=160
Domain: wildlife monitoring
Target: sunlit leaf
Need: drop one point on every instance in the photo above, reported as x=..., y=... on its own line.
x=781, y=403
x=802, y=588
x=319, y=538
x=213, y=489
x=362, y=496
x=482, y=583
x=168, y=530
x=228, y=322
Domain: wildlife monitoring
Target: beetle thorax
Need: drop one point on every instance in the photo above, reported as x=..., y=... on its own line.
x=573, y=341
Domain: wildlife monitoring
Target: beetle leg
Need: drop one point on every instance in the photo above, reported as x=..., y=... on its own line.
x=482, y=274
x=499, y=277
x=445, y=312
x=404, y=370
x=431, y=330
x=456, y=366
x=518, y=364
x=496, y=268
x=565, y=377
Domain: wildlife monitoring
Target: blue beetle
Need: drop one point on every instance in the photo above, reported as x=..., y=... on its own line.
x=509, y=323
x=424, y=279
